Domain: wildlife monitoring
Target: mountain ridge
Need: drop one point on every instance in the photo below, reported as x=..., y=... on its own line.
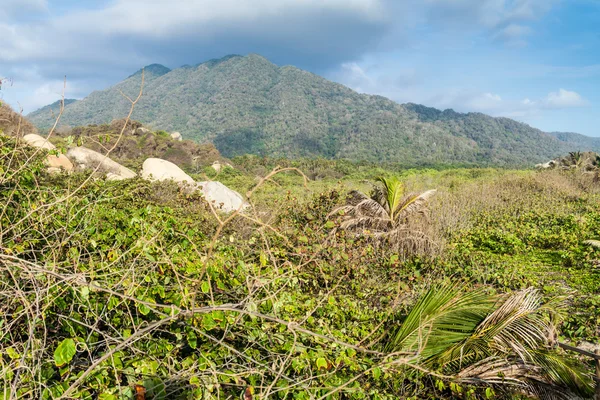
x=246, y=104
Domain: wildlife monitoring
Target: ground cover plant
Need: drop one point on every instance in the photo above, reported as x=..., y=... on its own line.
x=112, y=290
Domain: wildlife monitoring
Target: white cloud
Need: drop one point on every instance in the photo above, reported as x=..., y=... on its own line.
x=163, y=17
x=564, y=99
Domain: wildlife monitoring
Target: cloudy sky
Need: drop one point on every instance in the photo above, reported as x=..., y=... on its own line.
x=537, y=61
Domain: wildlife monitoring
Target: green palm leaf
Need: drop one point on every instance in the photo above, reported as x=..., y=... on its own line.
x=483, y=339
x=394, y=190
x=444, y=316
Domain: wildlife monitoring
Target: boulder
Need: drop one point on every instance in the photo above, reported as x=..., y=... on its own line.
x=156, y=169
x=38, y=141
x=57, y=163
x=221, y=196
x=90, y=159
x=176, y=136
x=216, y=166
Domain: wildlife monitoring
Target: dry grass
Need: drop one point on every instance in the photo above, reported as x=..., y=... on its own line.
x=457, y=204
x=13, y=123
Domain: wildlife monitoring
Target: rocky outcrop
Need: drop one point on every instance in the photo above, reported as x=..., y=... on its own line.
x=139, y=143
x=89, y=159
x=156, y=169
x=222, y=198
x=176, y=136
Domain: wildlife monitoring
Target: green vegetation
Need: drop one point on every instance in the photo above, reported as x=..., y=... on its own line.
x=105, y=285
x=388, y=217
x=249, y=105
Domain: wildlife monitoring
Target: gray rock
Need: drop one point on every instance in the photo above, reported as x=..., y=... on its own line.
x=176, y=136
x=89, y=159
x=222, y=198
x=155, y=169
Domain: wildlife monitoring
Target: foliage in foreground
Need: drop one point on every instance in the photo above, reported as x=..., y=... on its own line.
x=106, y=285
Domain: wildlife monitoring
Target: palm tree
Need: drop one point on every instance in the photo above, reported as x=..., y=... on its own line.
x=481, y=339
x=386, y=216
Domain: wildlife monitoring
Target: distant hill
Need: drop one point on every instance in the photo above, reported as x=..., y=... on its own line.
x=53, y=109
x=578, y=140
x=246, y=104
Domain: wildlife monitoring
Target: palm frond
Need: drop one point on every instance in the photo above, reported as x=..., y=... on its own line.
x=516, y=324
x=354, y=197
x=495, y=370
x=444, y=316
x=365, y=208
x=370, y=223
x=394, y=190
x=485, y=341
x=561, y=371
x=370, y=207
x=413, y=204
x=593, y=243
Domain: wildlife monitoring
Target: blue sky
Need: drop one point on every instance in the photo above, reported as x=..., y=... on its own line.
x=537, y=61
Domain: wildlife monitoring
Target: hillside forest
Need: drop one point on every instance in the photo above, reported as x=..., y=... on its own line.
x=248, y=105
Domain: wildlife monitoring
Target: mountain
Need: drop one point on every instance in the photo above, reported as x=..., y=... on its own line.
x=246, y=104
x=577, y=139
x=54, y=108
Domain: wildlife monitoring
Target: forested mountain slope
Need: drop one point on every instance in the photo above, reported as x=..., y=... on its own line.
x=246, y=104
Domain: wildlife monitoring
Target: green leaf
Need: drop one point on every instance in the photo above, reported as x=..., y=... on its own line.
x=321, y=363
x=143, y=309
x=205, y=287
x=192, y=340
x=64, y=352
x=12, y=353
x=376, y=372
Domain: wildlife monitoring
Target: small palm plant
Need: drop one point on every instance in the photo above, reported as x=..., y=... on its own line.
x=387, y=215
x=483, y=339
